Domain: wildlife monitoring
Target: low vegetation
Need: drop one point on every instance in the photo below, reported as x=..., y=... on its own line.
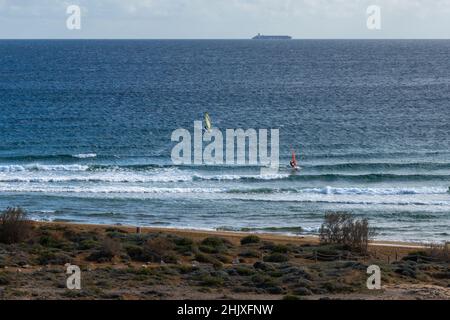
x=250, y=239
x=118, y=263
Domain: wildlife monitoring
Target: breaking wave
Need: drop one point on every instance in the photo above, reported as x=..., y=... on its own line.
x=43, y=167
x=345, y=191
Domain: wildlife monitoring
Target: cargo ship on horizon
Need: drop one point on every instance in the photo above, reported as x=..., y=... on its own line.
x=260, y=36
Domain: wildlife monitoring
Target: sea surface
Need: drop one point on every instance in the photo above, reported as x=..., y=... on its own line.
x=85, y=132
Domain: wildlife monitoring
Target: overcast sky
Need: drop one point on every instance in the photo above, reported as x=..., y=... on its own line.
x=224, y=18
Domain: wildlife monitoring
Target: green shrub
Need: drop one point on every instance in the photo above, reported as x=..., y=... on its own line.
x=250, y=254
x=136, y=253
x=109, y=249
x=280, y=248
x=301, y=291
x=170, y=258
x=184, y=269
x=276, y=257
x=244, y=271
x=250, y=239
x=214, y=245
x=200, y=257
x=208, y=249
x=212, y=281
x=78, y=237
x=274, y=290
x=55, y=258
x=49, y=240
x=337, y=287
x=263, y=281
x=184, y=246
x=223, y=258
x=181, y=241
x=214, y=242
x=155, y=249
x=88, y=244
x=263, y=266
x=407, y=270
x=4, y=279
x=114, y=229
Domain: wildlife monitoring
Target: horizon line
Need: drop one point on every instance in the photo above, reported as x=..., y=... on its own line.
x=256, y=40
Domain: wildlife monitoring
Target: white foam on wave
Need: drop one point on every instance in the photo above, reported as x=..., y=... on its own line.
x=375, y=191
x=214, y=193
x=342, y=200
x=226, y=177
x=43, y=167
x=85, y=155
x=106, y=189
x=83, y=173
x=94, y=178
x=38, y=173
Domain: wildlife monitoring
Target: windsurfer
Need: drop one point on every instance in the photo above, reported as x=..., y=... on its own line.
x=293, y=162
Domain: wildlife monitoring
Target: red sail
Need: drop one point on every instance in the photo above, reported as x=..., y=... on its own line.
x=294, y=161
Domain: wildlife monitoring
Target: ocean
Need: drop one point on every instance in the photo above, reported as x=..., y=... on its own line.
x=85, y=132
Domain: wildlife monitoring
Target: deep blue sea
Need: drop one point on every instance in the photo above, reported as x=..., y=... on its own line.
x=85, y=130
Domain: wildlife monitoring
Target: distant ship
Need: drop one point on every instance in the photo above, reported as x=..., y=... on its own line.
x=260, y=36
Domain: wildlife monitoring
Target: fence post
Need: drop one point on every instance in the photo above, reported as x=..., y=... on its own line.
x=315, y=255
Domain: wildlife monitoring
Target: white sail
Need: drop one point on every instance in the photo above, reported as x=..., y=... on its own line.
x=208, y=124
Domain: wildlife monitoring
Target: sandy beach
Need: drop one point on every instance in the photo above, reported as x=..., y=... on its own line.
x=235, y=236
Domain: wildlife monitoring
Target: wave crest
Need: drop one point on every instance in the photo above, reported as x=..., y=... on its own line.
x=43, y=167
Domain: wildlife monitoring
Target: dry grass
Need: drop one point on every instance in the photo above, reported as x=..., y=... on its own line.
x=14, y=226
x=439, y=252
x=342, y=228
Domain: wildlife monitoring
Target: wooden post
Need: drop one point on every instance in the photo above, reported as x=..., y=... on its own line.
x=138, y=230
x=396, y=255
x=315, y=256
x=389, y=259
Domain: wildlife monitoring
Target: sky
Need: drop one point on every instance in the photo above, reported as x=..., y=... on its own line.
x=224, y=19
